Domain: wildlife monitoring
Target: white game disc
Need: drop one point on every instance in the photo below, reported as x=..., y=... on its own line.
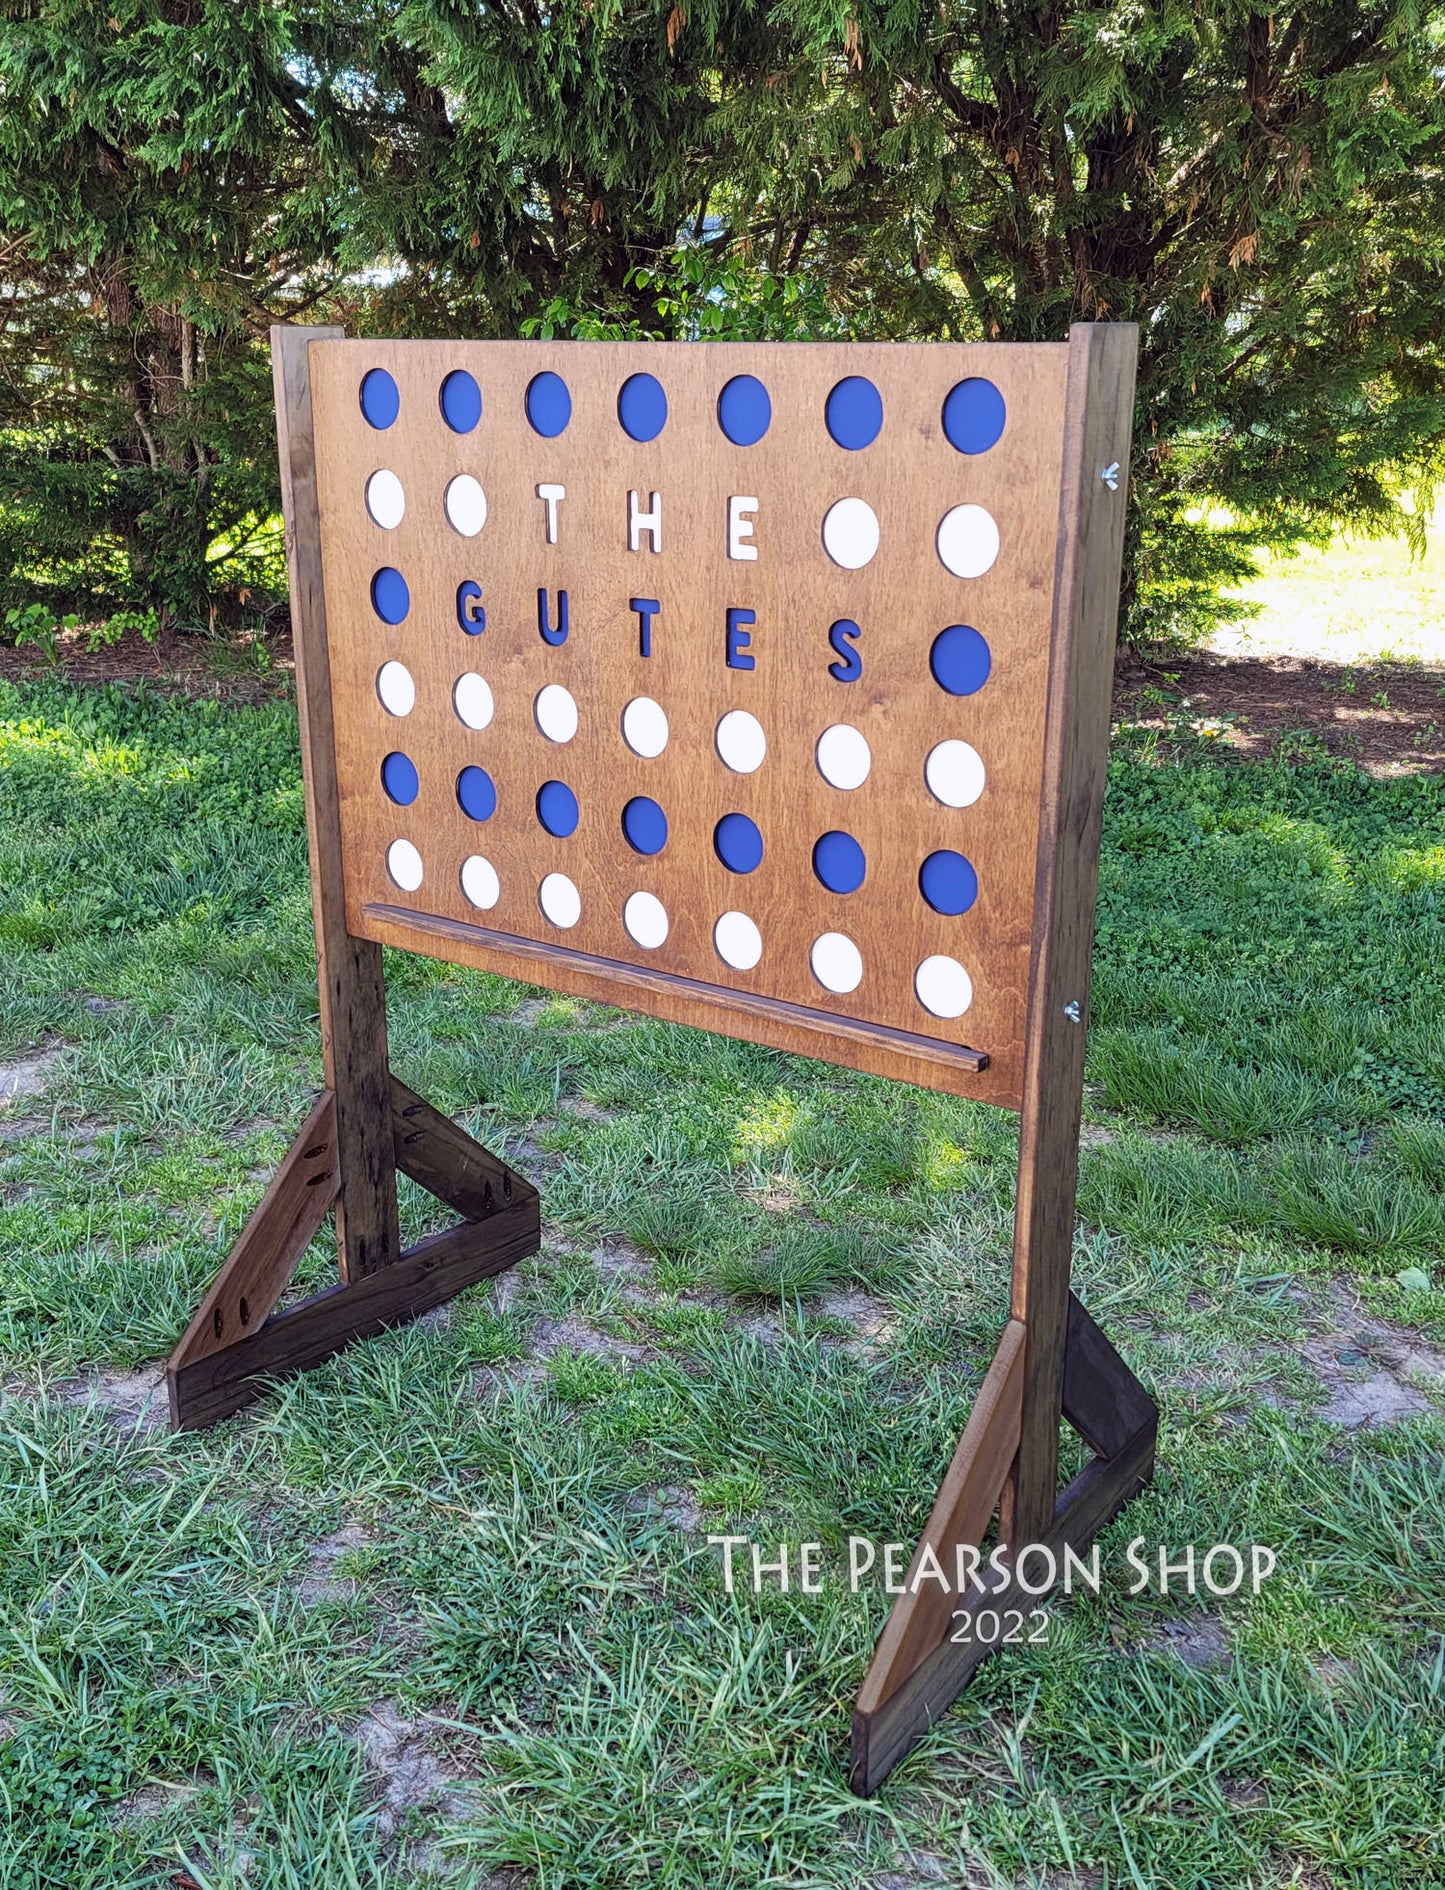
x=556, y=713
x=466, y=505
x=968, y=540
x=943, y=986
x=741, y=741
x=646, y=920
x=472, y=700
x=844, y=757
x=403, y=862
x=385, y=500
x=954, y=773
x=480, y=882
x=644, y=727
x=395, y=689
x=837, y=962
x=850, y=533
x=560, y=900
x=739, y=942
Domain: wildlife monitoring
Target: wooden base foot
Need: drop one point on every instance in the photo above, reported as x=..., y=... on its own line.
x=933, y=1641
x=236, y=1341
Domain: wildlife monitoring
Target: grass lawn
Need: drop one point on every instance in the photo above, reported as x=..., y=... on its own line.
x=444, y=1612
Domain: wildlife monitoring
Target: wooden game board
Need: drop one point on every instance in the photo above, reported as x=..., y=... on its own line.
x=760, y=687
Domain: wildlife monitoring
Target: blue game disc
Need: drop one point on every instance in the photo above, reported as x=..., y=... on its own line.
x=399, y=778
x=549, y=405
x=380, y=402
x=960, y=660
x=461, y=401
x=645, y=825
x=390, y=598
x=854, y=413
x=973, y=416
x=744, y=411
x=738, y=843
x=948, y=882
x=476, y=793
x=839, y=862
x=642, y=407
x=557, y=808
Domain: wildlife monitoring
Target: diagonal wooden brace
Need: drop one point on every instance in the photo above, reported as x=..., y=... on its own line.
x=922, y=1663
x=237, y=1340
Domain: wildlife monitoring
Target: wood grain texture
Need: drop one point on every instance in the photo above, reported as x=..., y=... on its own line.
x=349, y=976
x=1097, y=424
x=448, y=1162
x=882, y=1737
x=961, y=1514
x=1103, y=1400
x=911, y=476
x=287, y=1218
x=210, y=1388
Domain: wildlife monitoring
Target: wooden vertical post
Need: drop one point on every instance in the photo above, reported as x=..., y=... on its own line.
x=1099, y=406
x=349, y=975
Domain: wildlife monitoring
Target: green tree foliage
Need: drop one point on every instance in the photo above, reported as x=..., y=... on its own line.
x=1261, y=191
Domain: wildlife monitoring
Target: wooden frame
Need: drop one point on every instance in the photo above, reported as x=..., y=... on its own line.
x=1053, y=1363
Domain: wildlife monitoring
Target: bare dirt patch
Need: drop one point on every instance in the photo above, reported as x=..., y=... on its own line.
x=1389, y=718
x=223, y=669
x=1375, y=1372
x=412, y=1774
x=322, y=1581
x=137, y=1400
x=1202, y=1641
x=27, y=1076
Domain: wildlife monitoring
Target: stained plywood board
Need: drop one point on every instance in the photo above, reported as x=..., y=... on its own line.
x=910, y=477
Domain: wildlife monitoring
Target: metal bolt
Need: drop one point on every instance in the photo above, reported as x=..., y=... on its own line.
x=1110, y=476
x=1071, y=1011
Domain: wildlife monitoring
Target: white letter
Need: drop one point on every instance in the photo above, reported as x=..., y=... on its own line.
x=740, y=529
x=1036, y=1548
x=892, y=1574
x=966, y=1559
x=1168, y=1568
x=998, y=1564
x=1262, y=1570
x=727, y=1545
x=1223, y=1548
x=856, y=1569
x=929, y=1570
x=549, y=495
x=778, y=1568
x=1089, y=1570
x=640, y=522
x=1135, y=1560
x=808, y=1563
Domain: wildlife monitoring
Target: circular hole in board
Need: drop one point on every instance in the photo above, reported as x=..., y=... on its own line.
x=738, y=941
x=954, y=773
x=480, y=883
x=395, y=690
x=403, y=862
x=837, y=963
x=843, y=756
x=968, y=540
x=472, y=700
x=744, y=410
x=385, y=500
x=943, y=986
x=741, y=742
x=466, y=505
x=560, y=901
x=850, y=533
x=644, y=727
x=461, y=401
x=645, y=917
x=476, y=793
x=555, y=711
x=380, y=402
x=948, y=882
x=960, y=660
x=853, y=413
x=642, y=407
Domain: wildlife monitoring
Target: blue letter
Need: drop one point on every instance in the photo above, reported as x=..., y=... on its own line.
x=549, y=635
x=840, y=639
x=646, y=608
x=470, y=614
x=738, y=638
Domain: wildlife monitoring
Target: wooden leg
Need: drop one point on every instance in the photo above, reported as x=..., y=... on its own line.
x=922, y=1662
x=236, y=1342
